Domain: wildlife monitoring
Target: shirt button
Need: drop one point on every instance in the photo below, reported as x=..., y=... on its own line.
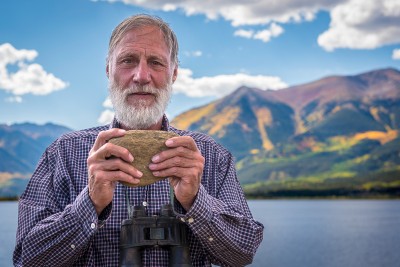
x=93, y=225
x=73, y=246
x=190, y=220
x=210, y=239
x=182, y=219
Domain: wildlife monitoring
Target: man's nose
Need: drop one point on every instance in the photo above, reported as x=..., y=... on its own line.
x=142, y=74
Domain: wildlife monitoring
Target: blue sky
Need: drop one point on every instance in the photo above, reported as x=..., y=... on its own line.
x=52, y=53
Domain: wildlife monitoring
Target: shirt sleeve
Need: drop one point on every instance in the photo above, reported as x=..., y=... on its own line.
x=48, y=234
x=223, y=224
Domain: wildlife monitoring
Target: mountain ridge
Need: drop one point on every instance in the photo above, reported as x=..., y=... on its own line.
x=336, y=136
x=271, y=133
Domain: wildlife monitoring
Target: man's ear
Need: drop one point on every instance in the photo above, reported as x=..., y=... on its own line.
x=175, y=74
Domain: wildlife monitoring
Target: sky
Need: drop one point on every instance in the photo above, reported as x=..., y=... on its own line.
x=52, y=53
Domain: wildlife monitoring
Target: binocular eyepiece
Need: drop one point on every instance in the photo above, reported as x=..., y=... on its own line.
x=141, y=231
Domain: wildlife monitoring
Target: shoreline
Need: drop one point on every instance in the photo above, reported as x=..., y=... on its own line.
x=376, y=197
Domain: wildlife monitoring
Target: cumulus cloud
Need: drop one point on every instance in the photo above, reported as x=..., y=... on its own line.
x=217, y=86
x=29, y=78
x=244, y=33
x=396, y=54
x=265, y=35
x=362, y=24
x=239, y=12
x=355, y=24
x=107, y=103
x=108, y=114
x=106, y=117
x=222, y=85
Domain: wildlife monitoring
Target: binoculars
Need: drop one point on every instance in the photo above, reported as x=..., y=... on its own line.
x=141, y=231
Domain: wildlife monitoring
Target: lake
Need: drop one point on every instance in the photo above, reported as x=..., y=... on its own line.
x=310, y=233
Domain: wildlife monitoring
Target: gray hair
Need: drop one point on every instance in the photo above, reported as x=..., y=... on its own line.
x=141, y=20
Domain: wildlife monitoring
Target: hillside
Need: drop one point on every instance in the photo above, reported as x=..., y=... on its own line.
x=335, y=136
x=21, y=146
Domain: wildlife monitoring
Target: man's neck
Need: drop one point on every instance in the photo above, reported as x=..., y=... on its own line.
x=156, y=126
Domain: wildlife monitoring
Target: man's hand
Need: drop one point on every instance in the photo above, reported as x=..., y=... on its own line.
x=184, y=164
x=107, y=164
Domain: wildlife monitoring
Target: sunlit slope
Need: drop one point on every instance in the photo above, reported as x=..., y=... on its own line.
x=337, y=133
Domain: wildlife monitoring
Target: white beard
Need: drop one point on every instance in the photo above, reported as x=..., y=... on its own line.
x=140, y=116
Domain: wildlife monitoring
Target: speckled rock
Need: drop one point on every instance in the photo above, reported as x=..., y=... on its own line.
x=143, y=145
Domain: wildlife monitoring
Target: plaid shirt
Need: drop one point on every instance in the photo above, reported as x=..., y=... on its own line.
x=58, y=225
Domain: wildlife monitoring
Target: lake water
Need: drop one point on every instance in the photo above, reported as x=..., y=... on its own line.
x=309, y=233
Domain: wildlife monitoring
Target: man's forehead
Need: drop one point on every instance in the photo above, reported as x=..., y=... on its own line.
x=146, y=37
x=143, y=34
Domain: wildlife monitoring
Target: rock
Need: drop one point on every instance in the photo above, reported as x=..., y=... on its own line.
x=143, y=145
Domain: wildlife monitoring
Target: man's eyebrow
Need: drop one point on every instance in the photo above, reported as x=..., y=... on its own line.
x=127, y=54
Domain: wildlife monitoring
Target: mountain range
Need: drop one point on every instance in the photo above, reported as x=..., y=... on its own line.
x=21, y=146
x=337, y=136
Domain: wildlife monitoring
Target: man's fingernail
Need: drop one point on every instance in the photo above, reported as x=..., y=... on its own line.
x=140, y=174
x=169, y=142
x=155, y=158
x=152, y=166
x=130, y=158
x=156, y=173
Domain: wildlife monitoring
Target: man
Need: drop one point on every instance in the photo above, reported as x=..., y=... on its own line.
x=71, y=211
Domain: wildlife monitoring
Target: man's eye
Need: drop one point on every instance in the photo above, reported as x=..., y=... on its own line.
x=127, y=60
x=156, y=63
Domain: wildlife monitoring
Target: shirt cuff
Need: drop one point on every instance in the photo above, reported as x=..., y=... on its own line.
x=200, y=214
x=84, y=210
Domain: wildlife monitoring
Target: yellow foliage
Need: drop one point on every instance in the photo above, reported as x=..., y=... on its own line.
x=226, y=117
x=186, y=119
x=336, y=109
x=316, y=116
x=361, y=159
x=5, y=176
x=254, y=151
x=374, y=112
x=264, y=118
x=300, y=128
x=382, y=137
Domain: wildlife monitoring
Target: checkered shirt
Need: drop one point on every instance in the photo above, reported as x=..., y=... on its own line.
x=58, y=225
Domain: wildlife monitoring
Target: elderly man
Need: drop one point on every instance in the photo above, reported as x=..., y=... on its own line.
x=73, y=206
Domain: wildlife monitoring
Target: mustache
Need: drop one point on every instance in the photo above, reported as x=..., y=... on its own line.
x=140, y=89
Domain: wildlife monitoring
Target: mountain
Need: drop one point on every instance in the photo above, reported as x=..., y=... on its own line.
x=21, y=146
x=245, y=121
x=337, y=135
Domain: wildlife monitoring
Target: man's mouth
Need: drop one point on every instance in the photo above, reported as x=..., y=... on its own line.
x=142, y=93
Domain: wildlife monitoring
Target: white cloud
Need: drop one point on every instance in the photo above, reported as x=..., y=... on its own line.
x=29, y=78
x=196, y=53
x=222, y=85
x=217, y=86
x=274, y=30
x=106, y=117
x=239, y=12
x=14, y=99
x=266, y=35
x=355, y=24
x=362, y=24
x=396, y=54
x=107, y=103
x=244, y=33
x=108, y=114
